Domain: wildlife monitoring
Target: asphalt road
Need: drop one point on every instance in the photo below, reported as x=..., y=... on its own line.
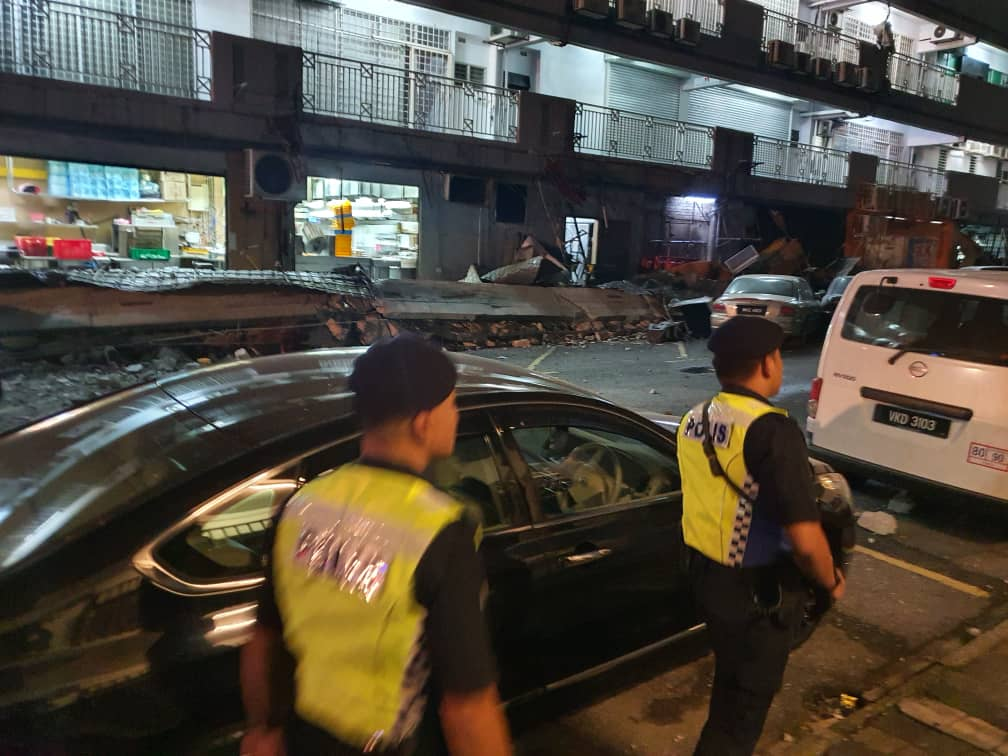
x=943, y=573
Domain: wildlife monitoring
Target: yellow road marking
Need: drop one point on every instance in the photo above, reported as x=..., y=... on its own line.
x=682, y=349
x=958, y=585
x=541, y=357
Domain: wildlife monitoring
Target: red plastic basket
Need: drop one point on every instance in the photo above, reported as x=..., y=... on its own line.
x=72, y=249
x=34, y=246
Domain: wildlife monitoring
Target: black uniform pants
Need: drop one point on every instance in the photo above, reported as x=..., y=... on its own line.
x=750, y=653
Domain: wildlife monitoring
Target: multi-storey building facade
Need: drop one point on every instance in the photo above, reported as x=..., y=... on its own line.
x=437, y=141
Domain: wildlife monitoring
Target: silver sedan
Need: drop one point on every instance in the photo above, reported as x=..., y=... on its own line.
x=786, y=300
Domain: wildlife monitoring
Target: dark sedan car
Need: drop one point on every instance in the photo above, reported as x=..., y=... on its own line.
x=131, y=534
x=834, y=294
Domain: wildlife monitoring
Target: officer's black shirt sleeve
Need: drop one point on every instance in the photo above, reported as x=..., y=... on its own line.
x=777, y=458
x=449, y=582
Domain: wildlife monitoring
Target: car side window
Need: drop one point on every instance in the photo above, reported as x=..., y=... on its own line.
x=474, y=476
x=579, y=465
x=227, y=542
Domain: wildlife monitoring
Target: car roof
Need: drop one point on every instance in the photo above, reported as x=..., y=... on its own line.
x=153, y=437
x=976, y=282
x=770, y=276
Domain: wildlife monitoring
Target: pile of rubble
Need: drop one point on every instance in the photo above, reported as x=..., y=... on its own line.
x=37, y=389
x=488, y=334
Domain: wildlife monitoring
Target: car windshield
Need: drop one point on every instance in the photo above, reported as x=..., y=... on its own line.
x=838, y=286
x=959, y=326
x=781, y=287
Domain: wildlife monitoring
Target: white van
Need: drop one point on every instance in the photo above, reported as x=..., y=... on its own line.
x=912, y=385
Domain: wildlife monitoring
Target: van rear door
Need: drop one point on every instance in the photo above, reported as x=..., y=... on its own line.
x=915, y=379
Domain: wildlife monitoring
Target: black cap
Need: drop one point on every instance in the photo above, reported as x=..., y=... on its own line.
x=401, y=377
x=746, y=337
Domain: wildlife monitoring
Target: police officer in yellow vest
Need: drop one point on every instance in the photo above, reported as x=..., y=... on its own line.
x=374, y=590
x=752, y=526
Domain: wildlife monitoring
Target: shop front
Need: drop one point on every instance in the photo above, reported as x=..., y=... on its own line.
x=56, y=213
x=375, y=226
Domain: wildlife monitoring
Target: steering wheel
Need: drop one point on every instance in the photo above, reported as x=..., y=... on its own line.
x=583, y=465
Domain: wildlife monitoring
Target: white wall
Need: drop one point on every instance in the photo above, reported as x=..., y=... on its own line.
x=228, y=16
x=985, y=53
x=417, y=15
x=572, y=72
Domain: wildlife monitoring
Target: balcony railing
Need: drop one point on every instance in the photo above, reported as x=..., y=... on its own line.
x=918, y=77
x=408, y=99
x=817, y=41
x=633, y=136
x=909, y=176
x=710, y=13
x=58, y=40
x=787, y=161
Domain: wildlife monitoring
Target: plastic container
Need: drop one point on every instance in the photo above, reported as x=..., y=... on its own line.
x=149, y=254
x=32, y=246
x=72, y=249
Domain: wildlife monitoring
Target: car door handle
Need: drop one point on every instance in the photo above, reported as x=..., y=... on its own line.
x=587, y=557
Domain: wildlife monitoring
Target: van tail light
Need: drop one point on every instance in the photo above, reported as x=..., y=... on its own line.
x=813, y=402
x=787, y=310
x=718, y=307
x=941, y=282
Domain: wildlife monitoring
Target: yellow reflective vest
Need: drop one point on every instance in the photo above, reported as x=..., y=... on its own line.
x=344, y=556
x=716, y=521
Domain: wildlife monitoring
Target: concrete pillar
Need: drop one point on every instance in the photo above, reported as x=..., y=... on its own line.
x=980, y=192
x=976, y=96
x=733, y=154
x=546, y=124
x=260, y=232
x=742, y=31
x=862, y=169
x=252, y=76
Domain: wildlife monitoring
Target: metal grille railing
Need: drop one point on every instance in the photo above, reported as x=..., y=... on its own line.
x=918, y=77
x=817, y=41
x=57, y=40
x=910, y=176
x=633, y=136
x=409, y=99
x=710, y=13
x=787, y=161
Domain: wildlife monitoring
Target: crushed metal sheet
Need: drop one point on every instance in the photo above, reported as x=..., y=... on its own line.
x=175, y=279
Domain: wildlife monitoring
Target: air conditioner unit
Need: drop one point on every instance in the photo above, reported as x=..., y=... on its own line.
x=272, y=176
x=661, y=23
x=944, y=38
x=822, y=68
x=631, y=14
x=979, y=148
x=868, y=79
x=500, y=35
x=592, y=8
x=780, y=54
x=846, y=74
x=688, y=32
x=834, y=21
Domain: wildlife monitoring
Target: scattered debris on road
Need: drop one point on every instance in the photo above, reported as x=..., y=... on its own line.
x=901, y=503
x=880, y=523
